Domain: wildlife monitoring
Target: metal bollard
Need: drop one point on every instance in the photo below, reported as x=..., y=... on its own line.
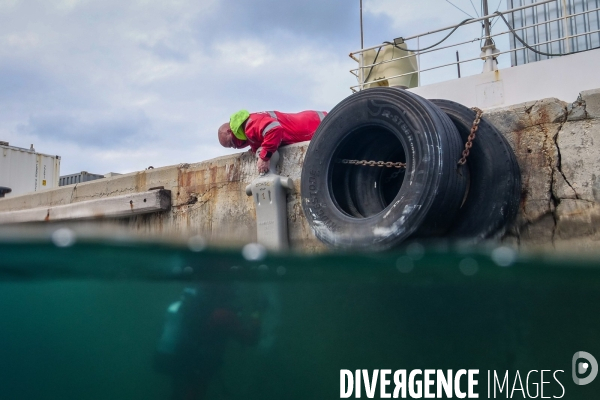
x=269, y=192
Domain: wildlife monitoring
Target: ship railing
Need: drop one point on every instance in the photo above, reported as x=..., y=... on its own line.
x=437, y=58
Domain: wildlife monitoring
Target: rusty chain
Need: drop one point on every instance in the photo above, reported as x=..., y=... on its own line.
x=469, y=144
x=390, y=164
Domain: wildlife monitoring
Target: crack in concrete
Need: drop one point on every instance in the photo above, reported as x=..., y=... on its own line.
x=548, y=145
x=528, y=109
x=200, y=196
x=113, y=192
x=559, y=161
x=558, y=169
x=73, y=193
x=554, y=199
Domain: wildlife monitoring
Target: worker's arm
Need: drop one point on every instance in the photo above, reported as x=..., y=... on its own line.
x=272, y=137
x=272, y=133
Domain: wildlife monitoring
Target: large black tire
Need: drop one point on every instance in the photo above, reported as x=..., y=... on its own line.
x=495, y=179
x=362, y=207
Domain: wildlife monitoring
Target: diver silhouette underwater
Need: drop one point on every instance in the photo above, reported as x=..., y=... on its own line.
x=195, y=335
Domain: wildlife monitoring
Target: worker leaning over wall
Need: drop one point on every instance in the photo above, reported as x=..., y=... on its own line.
x=269, y=130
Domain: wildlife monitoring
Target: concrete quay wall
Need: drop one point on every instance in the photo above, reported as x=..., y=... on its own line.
x=207, y=198
x=557, y=146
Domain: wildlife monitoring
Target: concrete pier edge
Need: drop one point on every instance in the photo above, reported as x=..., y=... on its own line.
x=557, y=145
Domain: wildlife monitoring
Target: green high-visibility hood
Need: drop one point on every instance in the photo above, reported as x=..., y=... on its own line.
x=235, y=123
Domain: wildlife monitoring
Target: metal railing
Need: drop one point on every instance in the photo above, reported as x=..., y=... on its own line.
x=549, y=27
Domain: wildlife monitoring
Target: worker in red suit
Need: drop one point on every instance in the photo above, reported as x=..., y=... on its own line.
x=268, y=130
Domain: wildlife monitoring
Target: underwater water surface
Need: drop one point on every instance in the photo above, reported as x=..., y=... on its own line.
x=103, y=320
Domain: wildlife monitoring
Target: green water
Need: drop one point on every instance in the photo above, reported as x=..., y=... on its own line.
x=83, y=322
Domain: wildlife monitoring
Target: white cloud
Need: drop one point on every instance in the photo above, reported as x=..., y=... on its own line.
x=247, y=53
x=426, y=13
x=20, y=41
x=7, y=5
x=67, y=5
x=117, y=86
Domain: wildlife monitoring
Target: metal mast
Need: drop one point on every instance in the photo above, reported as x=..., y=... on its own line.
x=489, y=49
x=361, y=73
x=361, y=27
x=486, y=24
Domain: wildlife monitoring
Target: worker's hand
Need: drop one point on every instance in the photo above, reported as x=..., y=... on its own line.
x=263, y=166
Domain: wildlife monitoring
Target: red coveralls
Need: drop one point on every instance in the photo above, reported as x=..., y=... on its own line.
x=271, y=129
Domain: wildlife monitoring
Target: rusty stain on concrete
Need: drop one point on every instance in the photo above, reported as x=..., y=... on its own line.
x=140, y=181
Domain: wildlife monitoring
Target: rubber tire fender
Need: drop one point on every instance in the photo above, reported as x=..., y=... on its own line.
x=346, y=205
x=494, y=192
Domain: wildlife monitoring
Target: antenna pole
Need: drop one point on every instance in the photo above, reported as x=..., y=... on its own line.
x=488, y=48
x=361, y=27
x=486, y=24
x=361, y=60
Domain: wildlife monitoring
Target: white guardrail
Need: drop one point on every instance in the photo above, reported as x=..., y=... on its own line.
x=535, y=31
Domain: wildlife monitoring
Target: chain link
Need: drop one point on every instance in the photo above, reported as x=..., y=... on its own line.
x=469, y=144
x=390, y=164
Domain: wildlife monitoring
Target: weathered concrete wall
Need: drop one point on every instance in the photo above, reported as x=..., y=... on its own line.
x=558, y=148
x=557, y=145
x=208, y=198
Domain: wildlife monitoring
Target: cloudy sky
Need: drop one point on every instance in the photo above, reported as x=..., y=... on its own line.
x=119, y=85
